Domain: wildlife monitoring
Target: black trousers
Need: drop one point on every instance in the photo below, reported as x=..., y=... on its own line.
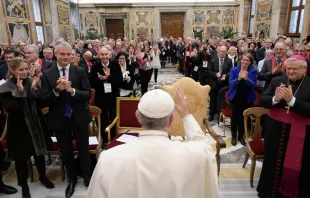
x=203, y=76
x=155, y=74
x=213, y=98
x=64, y=139
x=163, y=61
x=107, y=116
x=21, y=167
x=144, y=79
x=237, y=120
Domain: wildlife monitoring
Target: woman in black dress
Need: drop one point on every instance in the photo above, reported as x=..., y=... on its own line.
x=126, y=88
x=26, y=126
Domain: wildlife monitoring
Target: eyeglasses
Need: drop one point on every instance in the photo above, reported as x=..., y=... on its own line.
x=299, y=51
x=245, y=60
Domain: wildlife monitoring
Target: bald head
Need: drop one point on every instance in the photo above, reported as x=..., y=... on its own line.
x=87, y=55
x=222, y=51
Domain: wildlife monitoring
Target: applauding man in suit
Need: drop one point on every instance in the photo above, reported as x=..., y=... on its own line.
x=218, y=72
x=66, y=91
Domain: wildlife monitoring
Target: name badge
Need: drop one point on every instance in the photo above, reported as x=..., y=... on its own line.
x=196, y=68
x=168, y=47
x=187, y=53
x=136, y=70
x=107, y=87
x=205, y=64
x=164, y=53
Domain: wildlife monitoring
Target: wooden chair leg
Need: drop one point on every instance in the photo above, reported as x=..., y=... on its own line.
x=30, y=167
x=253, y=165
x=246, y=159
x=224, y=129
x=218, y=158
x=49, y=159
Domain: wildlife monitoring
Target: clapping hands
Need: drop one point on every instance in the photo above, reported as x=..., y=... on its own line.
x=243, y=74
x=64, y=84
x=283, y=92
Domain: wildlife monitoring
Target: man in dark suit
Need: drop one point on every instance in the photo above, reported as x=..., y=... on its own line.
x=80, y=48
x=260, y=53
x=66, y=90
x=275, y=66
x=106, y=78
x=218, y=72
x=75, y=60
x=47, y=61
x=4, y=68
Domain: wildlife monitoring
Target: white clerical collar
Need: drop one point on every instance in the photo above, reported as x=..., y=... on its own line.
x=106, y=64
x=67, y=67
x=153, y=134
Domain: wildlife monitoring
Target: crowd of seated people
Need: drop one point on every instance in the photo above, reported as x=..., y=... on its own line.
x=117, y=68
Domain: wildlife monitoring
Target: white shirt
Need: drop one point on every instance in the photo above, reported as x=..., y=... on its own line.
x=261, y=83
x=156, y=167
x=103, y=65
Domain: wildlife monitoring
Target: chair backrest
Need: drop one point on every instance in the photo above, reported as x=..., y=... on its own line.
x=197, y=97
x=226, y=97
x=257, y=113
x=92, y=97
x=256, y=102
x=125, y=109
x=95, y=113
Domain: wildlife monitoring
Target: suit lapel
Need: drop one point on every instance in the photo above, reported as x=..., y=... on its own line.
x=71, y=73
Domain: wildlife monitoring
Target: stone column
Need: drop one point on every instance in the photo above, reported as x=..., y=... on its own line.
x=240, y=18
x=275, y=18
x=54, y=16
x=187, y=23
x=158, y=23
x=305, y=24
x=2, y=24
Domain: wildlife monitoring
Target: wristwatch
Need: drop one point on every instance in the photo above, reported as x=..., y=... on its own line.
x=57, y=90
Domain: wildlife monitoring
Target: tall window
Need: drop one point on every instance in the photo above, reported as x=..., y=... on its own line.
x=38, y=19
x=252, y=12
x=296, y=17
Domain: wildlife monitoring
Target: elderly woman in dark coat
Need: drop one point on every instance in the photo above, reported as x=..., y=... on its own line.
x=126, y=88
x=27, y=129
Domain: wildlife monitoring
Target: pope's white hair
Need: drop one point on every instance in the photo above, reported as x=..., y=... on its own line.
x=62, y=44
x=154, y=123
x=303, y=63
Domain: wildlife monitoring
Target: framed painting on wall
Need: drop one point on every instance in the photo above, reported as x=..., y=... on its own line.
x=63, y=15
x=19, y=32
x=15, y=8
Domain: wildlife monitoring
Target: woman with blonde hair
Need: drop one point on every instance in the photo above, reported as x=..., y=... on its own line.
x=26, y=127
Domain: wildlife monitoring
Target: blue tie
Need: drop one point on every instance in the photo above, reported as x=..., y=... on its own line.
x=68, y=111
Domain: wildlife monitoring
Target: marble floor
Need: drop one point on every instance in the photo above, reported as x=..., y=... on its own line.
x=233, y=183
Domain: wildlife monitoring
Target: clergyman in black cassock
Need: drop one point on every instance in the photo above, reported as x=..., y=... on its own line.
x=286, y=167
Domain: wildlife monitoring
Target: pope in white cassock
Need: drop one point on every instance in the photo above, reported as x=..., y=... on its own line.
x=154, y=166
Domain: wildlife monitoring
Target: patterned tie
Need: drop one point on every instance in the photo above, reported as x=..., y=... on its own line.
x=68, y=111
x=279, y=61
x=221, y=65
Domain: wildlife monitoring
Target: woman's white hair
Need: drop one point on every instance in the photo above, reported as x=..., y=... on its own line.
x=303, y=63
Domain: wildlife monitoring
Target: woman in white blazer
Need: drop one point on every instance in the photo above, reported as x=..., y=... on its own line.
x=155, y=63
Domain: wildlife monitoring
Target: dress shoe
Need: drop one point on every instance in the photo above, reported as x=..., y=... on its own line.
x=47, y=183
x=233, y=141
x=26, y=192
x=70, y=189
x=211, y=117
x=86, y=182
x=242, y=141
x=8, y=190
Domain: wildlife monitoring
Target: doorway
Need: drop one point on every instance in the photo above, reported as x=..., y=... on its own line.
x=172, y=24
x=115, y=28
